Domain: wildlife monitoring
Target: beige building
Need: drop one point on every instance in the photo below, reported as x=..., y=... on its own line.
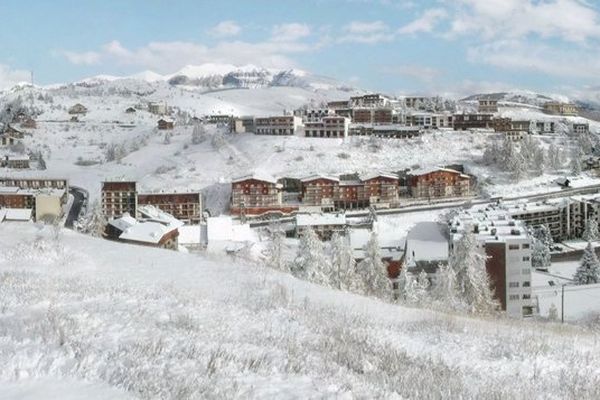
x=557, y=108
x=48, y=205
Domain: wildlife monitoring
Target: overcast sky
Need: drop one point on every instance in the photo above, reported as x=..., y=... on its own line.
x=395, y=46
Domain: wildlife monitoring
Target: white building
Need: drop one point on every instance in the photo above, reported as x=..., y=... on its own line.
x=507, y=245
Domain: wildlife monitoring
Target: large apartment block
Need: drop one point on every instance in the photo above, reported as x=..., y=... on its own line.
x=330, y=126
x=508, y=247
x=119, y=198
x=186, y=207
x=255, y=194
x=280, y=125
x=558, y=108
x=438, y=183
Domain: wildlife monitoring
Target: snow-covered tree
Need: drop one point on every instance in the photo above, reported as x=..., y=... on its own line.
x=542, y=232
x=540, y=255
x=422, y=288
x=553, y=157
x=407, y=287
x=575, y=162
x=274, y=257
x=198, y=134
x=373, y=271
x=94, y=222
x=473, y=282
x=343, y=265
x=444, y=291
x=167, y=138
x=517, y=166
x=311, y=263
x=588, y=271
x=590, y=232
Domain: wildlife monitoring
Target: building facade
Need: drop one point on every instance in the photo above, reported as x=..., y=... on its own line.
x=119, y=198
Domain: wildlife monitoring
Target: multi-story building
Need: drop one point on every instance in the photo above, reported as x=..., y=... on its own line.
x=186, y=207
x=243, y=124
x=362, y=115
x=384, y=131
x=508, y=247
x=383, y=116
x=463, y=122
x=44, y=203
x=314, y=115
x=256, y=194
x=331, y=126
x=15, y=162
x=36, y=183
x=381, y=189
x=558, y=108
x=320, y=190
x=119, y=198
x=580, y=128
x=416, y=102
x=545, y=126
x=438, y=183
x=280, y=125
x=369, y=100
x=488, y=105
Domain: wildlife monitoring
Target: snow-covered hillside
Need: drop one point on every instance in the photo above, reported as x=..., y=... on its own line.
x=106, y=320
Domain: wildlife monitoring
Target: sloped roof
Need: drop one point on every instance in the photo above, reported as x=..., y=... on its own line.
x=256, y=176
x=320, y=176
x=18, y=214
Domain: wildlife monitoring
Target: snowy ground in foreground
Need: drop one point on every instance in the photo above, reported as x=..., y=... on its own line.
x=158, y=324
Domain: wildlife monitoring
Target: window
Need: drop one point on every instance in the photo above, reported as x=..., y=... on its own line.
x=526, y=296
x=525, y=246
x=513, y=297
x=526, y=271
x=513, y=247
x=526, y=284
x=526, y=258
x=513, y=284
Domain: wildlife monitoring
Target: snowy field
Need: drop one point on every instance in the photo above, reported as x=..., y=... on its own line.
x=87, y=318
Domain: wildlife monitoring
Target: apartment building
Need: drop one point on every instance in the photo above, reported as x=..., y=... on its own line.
x=438, y=183
x=369, y=100
x=558, y=108
x=119, y=198
x=279, y=125
x=257, y=194
x=43, y=203
x=488, y=105
x=580, y=128
x=36, y=183
x=186, y=207
x=507, y=246
x=393, y=131
x=463, y=122
x=330, y=126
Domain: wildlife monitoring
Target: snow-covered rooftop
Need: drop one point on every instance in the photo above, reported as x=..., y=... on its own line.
x=17, y=214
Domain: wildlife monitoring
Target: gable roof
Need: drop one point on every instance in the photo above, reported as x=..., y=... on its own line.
x=258, y=176
x=320, y=176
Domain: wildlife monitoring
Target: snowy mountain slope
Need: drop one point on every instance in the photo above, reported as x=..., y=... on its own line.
x=158, y=324
x=218, y=76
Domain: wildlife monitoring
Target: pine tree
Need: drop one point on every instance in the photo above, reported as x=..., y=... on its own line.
x=444, y=291
x=373, y=271
x=407, y=287
x=590, y=232
x=542, y=232
x=423, y=286
x=274, y=251
x=198, y=134
x=92, y=223
x=343, y=265
x=588, y=271
x=540, y=255
x=473, y=281
x=517, y=166
x=576, y=161
x=310, y=263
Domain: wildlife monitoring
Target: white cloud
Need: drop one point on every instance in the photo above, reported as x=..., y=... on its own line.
x=290, y=32
x=82, y=58
x=425, y=23
x=225, y=29
x=10, y=77
x=571, y=62
x=366, y=32
x=569, y=20
x=421, y=73
x=166, y=57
